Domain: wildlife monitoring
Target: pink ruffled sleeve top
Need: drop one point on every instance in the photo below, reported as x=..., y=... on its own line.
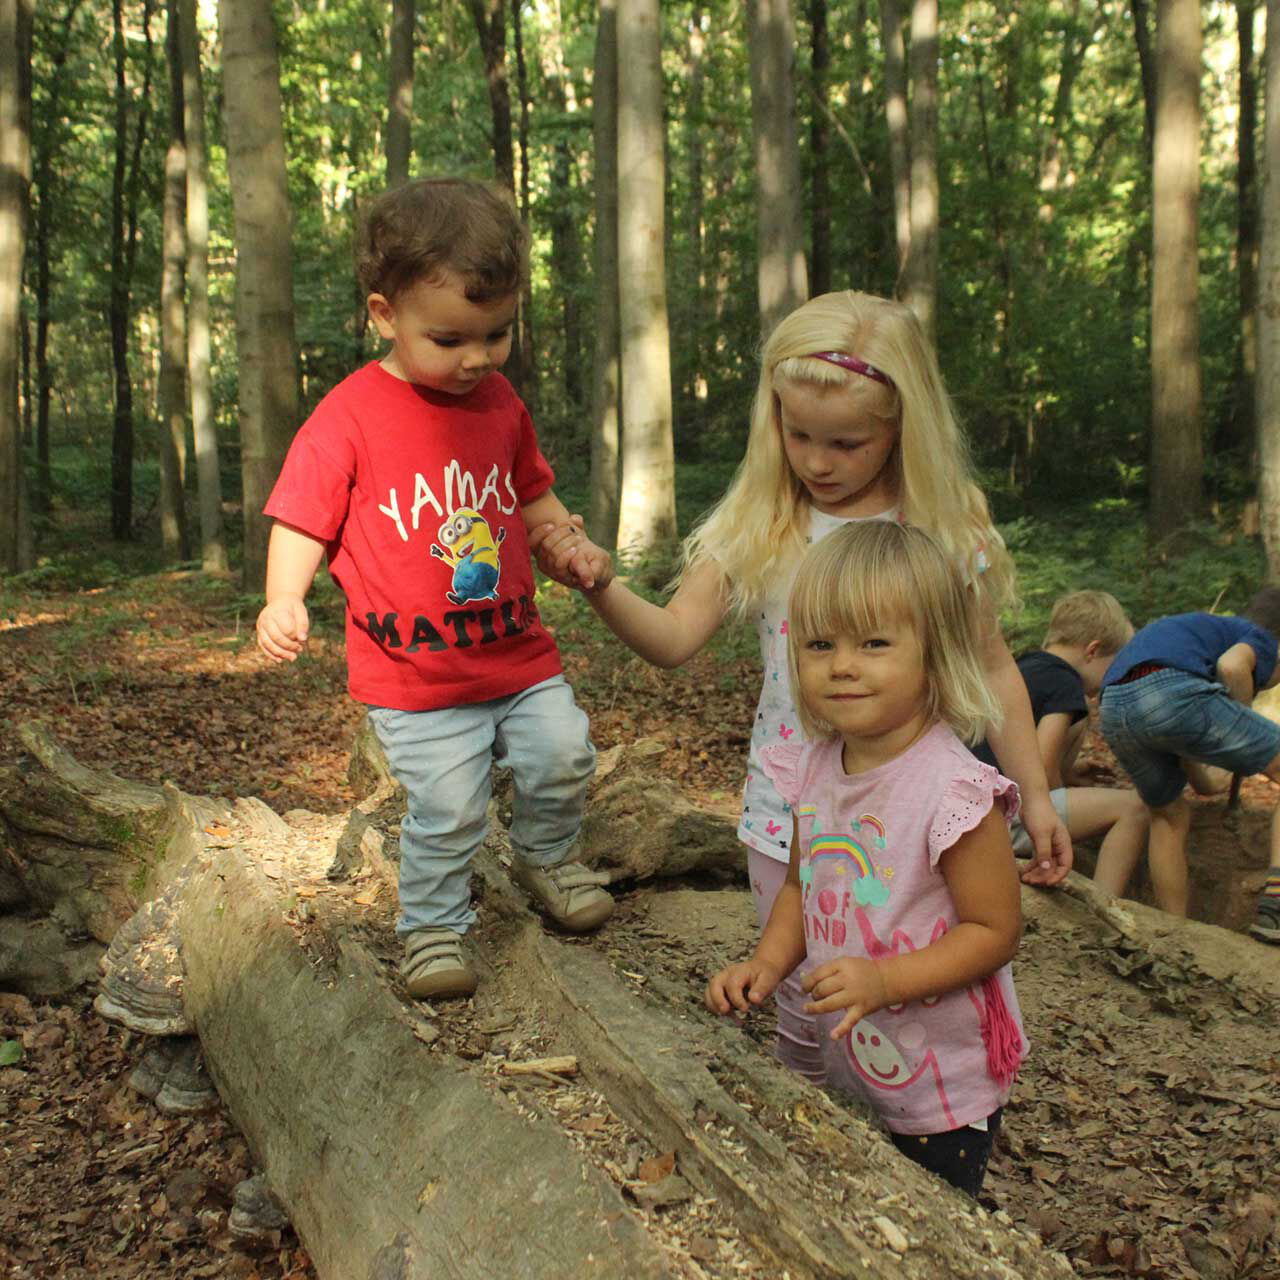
x=870, y=844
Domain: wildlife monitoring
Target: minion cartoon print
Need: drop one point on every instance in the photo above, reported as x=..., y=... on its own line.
x=471, y=551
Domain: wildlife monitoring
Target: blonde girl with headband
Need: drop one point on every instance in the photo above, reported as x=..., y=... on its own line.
x=851, y=422
x=900, y=911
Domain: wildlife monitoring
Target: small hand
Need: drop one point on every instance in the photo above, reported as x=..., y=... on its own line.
x=567, y=556
x=1052, y=843
x=283, y=628
x=852, y=983
x=741, y=987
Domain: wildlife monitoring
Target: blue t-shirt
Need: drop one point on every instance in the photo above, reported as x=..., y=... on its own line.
x=1194, y=642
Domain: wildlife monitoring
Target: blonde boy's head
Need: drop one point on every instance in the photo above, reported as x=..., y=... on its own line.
x=1084, y=618
x=874, y=572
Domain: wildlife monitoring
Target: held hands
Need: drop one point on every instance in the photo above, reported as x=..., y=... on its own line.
x=742, y=987
x=283, y=627
x=567, y=556
x=852, y=983
x=1052, y=856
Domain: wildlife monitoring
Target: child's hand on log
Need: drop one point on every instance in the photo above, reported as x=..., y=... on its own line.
x=742, y=987
x=567, y=556
x=283, y=627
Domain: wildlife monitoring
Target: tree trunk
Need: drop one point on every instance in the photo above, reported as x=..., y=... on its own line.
x=15, y=192
x=1269, y=306
x=1242, y=425
x=819, y=145
x=692, y=401
x=45, y=147
x=606, y=369
x=647, y=512
x=922, y=262
x=1147, y=71
x=526, y=351
x=490, y=18
x=1177, y=466
x=400, y=91
x=122, y=416
x=895, y=92
x=265, y=344
x=782, y=279
x=213, y=546
x=173, y=316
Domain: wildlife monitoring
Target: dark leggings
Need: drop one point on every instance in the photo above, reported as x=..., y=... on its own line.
x=958, y=1156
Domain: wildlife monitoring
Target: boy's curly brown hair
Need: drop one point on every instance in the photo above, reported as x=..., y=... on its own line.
x=433, y=226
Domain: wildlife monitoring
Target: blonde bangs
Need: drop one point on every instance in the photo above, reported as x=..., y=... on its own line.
x=871, y=574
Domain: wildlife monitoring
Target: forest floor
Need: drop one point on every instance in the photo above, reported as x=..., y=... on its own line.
x=1166, y=1173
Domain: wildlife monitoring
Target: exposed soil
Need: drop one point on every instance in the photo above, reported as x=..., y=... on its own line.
x=1133, y=1148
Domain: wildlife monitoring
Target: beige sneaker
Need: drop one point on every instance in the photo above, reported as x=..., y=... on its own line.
x=435, y=965
x=571, y=894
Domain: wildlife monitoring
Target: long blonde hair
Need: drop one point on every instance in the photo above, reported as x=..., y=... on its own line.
x=872, y=572
x=758, y=528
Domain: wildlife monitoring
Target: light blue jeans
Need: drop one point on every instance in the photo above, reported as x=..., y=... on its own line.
x=443, y=759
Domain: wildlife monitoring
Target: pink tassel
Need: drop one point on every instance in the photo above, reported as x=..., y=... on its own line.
x=1000, y=1034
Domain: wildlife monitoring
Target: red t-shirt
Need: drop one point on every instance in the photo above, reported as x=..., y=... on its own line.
x=418, y=496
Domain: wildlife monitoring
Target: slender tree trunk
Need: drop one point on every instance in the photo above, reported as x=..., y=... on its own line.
x=1177, y=461
x=895, y=92
x=606, y=369
x=922, y=262
x=1242, y=434
x=647, y=515
x=173, y=317
x=400, y=91
x=213, y=545
x=16, y=18
x=527, y=349
x=122, y=419
x=265, y=344
x=46, y=144
x=819, y=139
x=782, y=278
x=490, y=18
x=1269, y=305
x=693, y=392
x=1147, y=70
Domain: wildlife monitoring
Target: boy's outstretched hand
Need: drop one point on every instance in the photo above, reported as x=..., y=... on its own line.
x=283, y=627
x=741, y=987
x=567, y=556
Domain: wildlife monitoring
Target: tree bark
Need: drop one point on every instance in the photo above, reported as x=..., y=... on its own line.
x=606, y=371
x=922, y=262
x=213, y=546
x=782, y=277
x=266, y=348
x=173, y=315
x=895, y=92
x=1177, y=465
x=1148, y=72
x=647, y=511
x=819, y=146
x=400, y=91
x=16, y=18
x=1242, y=430
x=1269, y=306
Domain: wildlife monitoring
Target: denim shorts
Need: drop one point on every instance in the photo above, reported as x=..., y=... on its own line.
x=1151, y=722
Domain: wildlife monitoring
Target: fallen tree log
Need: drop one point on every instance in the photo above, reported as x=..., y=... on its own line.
x=399, y=1147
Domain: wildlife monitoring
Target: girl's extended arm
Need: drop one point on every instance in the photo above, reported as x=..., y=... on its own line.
x=292, y=560
x=666, y=635
x=983, y=881
x=781, y=947
x=1018, y=753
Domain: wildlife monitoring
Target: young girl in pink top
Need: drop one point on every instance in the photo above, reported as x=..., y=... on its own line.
x=900, y=907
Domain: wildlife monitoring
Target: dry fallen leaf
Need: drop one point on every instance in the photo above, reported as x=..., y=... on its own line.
x=657, y=1167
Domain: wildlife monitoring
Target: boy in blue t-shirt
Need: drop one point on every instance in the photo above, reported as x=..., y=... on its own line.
x=1178, y=694
x=1086, y=630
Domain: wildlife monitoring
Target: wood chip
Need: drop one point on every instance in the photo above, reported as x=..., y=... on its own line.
x=563, y=1066
x=892, y=1233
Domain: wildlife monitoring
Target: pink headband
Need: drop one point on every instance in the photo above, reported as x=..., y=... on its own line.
x=852, y=362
